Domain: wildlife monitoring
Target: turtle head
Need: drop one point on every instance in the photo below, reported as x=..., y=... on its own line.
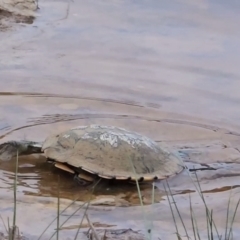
x=11, y=149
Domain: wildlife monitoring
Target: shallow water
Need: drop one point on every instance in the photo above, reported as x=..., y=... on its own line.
x=167, y=70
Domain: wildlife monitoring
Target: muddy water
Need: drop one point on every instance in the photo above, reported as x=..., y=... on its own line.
x=166, y=70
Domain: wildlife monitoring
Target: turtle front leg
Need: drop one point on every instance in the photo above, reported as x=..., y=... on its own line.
x=83, y=179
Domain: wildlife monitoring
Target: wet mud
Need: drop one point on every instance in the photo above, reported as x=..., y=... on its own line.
x=8, y=20
x=165, y=70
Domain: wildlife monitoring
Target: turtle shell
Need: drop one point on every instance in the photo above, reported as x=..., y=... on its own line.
x=112, y=153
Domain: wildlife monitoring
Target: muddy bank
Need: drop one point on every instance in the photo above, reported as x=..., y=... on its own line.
x=14, y=11
x=25, y=8
x=212, y=155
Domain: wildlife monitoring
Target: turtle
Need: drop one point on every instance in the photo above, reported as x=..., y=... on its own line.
x=106, y=152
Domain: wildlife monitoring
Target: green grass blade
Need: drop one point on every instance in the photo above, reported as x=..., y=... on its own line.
x=233, y=218
x=9, y=234
x=85, y=212
x=79, y=208
x=211, y=225
x=153, y=202
x=93, y=188
x=148, y=231
x=94, y=233
x=199, y=190
x=171, y=209
x=56, y=218
x=192, y=219
x=15, y=193
x=153, y=193
x=4, y=223
x=58, y=208
x=208, y=220
x=174, y=202
x=206, y=207
x=227, y=217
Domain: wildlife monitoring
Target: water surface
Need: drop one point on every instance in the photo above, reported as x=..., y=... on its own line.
x=167, y=70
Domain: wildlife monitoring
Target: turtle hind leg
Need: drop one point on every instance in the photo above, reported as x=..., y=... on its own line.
x=83, y=179
x=80, y=181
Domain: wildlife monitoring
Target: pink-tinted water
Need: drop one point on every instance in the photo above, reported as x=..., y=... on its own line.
x=166, y=69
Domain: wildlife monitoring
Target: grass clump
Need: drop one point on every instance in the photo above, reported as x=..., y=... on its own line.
x=212, y=230
x=192, y=233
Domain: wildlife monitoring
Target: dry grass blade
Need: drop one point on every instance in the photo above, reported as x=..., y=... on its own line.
x=4, y=223
x=13, y=232
x=85, y=212
x=192, y=218
x=174, y=202
x=8, y=229
x=58, y=208
x=148, y=230
x=104, y=235
x=227, y=217
x=72, y=213
x=56, y=218
x=153, y=201
x=199, y=190
x=82, y=220
x=209, y=214
x=173, y=216
x=15, y=192
x=92, y=228
x=206, y=207
x=66, y=219
x=233, y=218
x=79, y=208
x=211, y=225
x=153, y=193
x=193, y=221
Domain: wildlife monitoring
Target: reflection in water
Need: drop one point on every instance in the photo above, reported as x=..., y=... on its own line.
x=36, y=177
x=192, y=141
